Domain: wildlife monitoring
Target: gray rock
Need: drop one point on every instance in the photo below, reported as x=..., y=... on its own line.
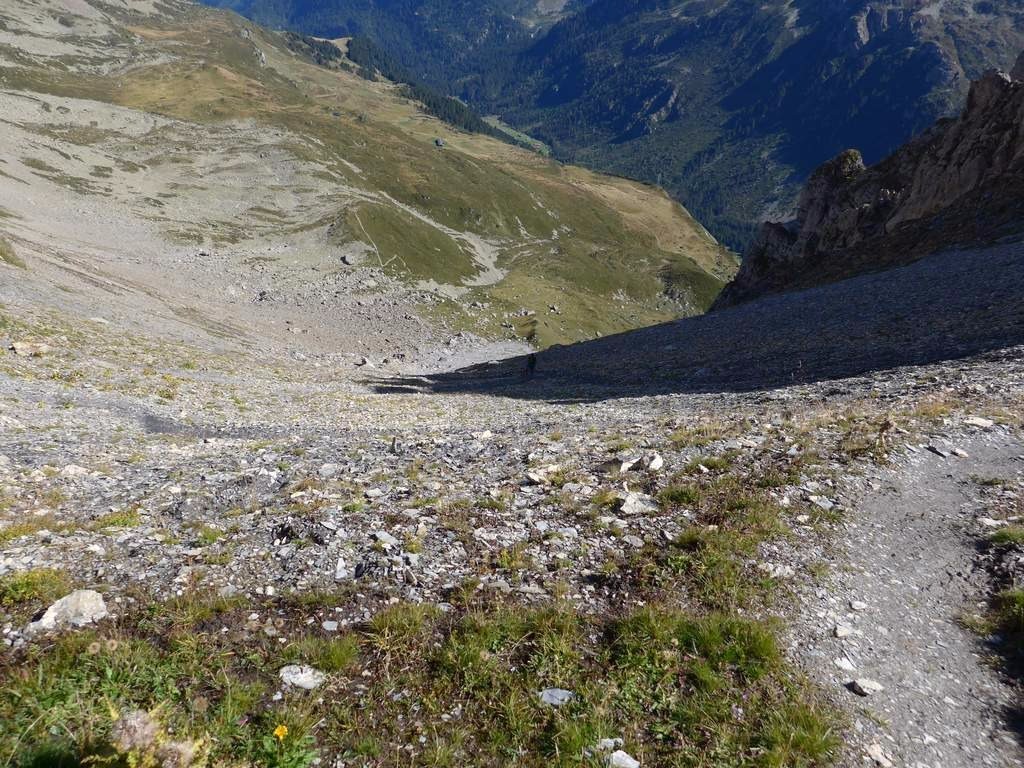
x=638, y=504
x=620, y=759
x=81, y=607
x=556, y=697
x=865, y=686
x=302, y=676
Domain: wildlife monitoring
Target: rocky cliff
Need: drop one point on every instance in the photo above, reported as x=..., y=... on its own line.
x=960, y=182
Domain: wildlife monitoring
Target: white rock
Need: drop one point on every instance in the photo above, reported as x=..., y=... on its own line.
x=329, y=626
x=638, y=504
x=301, y=676
x=30, y=349
x=386, y=539
x=857, y=605
x=341, y=571
x=81, y=607
x=629, y=464
x=978, y=421
x=865, y=686
x=556, y=697
x=73, y=470
x=842, y=630
x=655, y=462
x=777, y=570
x=876, y=753
x=620, y=759
x=844, y=664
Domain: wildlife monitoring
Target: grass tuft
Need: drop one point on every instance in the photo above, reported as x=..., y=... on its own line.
x=9, y=257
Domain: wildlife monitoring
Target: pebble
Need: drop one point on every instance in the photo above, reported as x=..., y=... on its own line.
x=556, y=697
x=620, y=759
x=302, y=676
x=865, y=686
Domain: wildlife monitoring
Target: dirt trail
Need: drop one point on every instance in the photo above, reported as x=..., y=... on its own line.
x=904, y=575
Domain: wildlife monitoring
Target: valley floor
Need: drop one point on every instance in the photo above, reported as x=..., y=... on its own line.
x=456, y=551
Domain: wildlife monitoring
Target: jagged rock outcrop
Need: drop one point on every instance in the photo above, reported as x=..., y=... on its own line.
x=961, y=182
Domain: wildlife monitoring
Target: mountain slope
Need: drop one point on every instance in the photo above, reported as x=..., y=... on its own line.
x=214, y=144
x=433, y=38
x=731, y=104
x=961, y=182
x=728, y=104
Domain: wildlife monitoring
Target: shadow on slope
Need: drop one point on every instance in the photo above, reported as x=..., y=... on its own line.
x=944, y=307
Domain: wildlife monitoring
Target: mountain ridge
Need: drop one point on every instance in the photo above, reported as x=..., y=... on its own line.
x=958, y=183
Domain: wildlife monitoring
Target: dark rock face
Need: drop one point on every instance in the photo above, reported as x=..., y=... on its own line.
x=960, y=182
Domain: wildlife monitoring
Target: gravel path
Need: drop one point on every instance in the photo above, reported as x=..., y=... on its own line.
x=906, y=574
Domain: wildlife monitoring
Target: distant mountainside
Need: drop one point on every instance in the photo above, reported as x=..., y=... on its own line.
x=729, y=104
x=438, y=40
x=261, y=159
x=960, y=183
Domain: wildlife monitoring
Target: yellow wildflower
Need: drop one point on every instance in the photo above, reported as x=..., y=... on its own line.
x=281, y=731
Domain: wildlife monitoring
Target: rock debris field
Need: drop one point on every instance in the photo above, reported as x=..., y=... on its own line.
x=852, y=516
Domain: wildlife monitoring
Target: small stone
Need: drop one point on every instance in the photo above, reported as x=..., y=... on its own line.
x=30, y=349
x=865, y=686
x=876, y=753
x=960, y=453
x=81, y=607
x=842, y=630
x=638, y=504
x=373, y=493
x=844, y=664
x=329, y=626
x=385, y=539
x=633, y=541
x=620, y=759
x=556, y=697
x=777, y=570
x=857, y=605
x=628, y=465
x=302, y=676
x=821, y=502
x=341, y=571
x=978, y=421
x=655, y=462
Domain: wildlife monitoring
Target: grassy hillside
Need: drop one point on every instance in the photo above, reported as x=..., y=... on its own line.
x=487, y=229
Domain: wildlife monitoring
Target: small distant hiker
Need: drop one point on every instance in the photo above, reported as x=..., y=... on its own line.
x=531, y=366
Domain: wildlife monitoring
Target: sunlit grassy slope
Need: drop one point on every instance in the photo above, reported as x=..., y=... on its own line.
x=494, y=230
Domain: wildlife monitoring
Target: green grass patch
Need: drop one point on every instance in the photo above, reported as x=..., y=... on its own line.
x=1010, y=535
x=9, y=257
x=38, y=585
x=462, y=688
x=128, y=518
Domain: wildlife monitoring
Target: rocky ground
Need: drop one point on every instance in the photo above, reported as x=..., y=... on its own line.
x=262, y=504
x=155, y=471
